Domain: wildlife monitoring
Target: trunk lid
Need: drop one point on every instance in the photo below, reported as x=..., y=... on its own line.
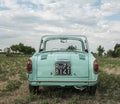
x=77, y=64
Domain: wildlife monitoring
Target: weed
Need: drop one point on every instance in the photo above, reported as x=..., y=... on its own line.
x=20, y=101
x=57, y=100
x=23, y=76
x=3, y=77
x=75, y=100
x=58, y=93
x=1, y=93
x=12, y=72
x=31, y=97
x=109, y=85
x=44, y=102
x=13, y=85
x=2, y=71
x=108, y=90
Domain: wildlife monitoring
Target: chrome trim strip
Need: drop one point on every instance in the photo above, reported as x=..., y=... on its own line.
x=63, y=80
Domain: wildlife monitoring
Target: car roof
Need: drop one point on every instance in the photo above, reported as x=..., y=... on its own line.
x=47, y=37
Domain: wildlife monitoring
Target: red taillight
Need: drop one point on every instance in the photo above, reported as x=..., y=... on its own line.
x=29, y=66
x=96, y=67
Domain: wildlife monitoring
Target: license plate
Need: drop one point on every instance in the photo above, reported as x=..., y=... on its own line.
x=63, y=68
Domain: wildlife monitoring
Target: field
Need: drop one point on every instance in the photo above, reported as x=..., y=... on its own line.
x=14, y=85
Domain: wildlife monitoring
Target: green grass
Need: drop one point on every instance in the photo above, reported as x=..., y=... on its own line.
x=109, y=62
x=14, y=85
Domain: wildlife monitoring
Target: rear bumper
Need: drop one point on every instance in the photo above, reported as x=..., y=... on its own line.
x=63, y=82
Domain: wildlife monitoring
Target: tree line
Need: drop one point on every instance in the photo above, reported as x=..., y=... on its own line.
x=110, y=53
x=21, y=48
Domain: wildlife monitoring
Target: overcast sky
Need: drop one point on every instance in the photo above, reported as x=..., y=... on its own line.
x=27, y=20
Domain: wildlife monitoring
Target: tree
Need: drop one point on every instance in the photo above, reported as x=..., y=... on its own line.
x=15, y=47
x=117, y=52
x=22, y=48
x=28, y=50
x=110, y=53
x=116, y=46
x=100, y=50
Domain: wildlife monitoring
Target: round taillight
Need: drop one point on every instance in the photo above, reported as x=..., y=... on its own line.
x=29, y=66
x=96, y=66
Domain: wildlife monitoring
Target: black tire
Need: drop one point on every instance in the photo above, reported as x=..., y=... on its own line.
x=92, y=90
x=33, y=89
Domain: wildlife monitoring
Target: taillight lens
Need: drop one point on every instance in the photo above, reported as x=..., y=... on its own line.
x=29, y=66
x=96, y=66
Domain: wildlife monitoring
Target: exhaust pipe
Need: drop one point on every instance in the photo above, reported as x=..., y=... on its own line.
x=79, y=88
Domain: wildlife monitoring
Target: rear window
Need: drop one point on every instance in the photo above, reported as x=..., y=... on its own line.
x=64, y=45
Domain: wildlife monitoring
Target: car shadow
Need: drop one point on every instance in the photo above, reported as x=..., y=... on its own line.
x=60, y=92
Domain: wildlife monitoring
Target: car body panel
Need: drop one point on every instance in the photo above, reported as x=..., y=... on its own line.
x=46, y=65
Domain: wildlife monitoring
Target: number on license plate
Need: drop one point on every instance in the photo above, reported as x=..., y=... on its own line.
x=62, y=69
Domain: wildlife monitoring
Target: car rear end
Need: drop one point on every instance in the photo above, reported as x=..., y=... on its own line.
x=71, y=67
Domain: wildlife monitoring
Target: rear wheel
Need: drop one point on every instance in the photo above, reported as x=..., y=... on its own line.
x=33, y=89
x=92, y=90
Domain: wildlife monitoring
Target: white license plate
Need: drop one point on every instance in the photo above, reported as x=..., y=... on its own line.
x=62, y=68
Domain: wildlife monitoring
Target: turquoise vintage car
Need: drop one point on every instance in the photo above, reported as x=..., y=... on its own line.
x=63, y=60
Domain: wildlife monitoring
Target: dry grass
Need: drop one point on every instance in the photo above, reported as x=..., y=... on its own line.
x=110, y=65
x=112, y=71
x=14, y=69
